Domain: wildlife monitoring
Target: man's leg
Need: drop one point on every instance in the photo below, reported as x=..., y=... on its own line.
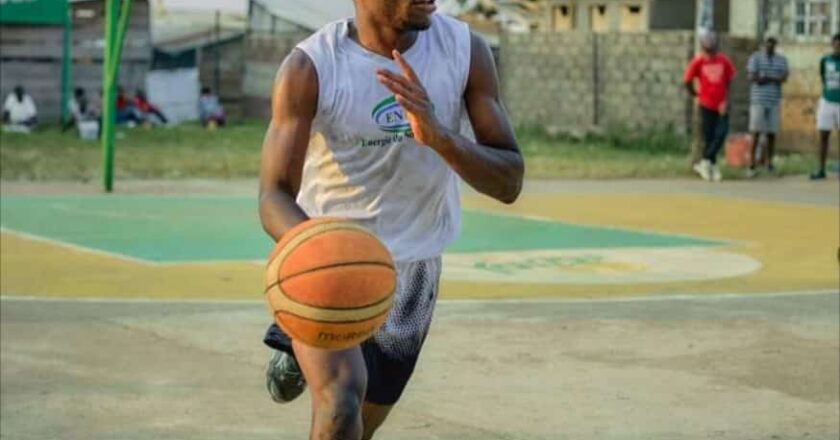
x=337, y=382
x=825, y=136
x=710, y=125
x=721, y=131
x=708, y=120
x=771, y=146
x=373, y=415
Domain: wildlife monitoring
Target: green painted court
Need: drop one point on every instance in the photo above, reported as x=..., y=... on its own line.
x=202, y=229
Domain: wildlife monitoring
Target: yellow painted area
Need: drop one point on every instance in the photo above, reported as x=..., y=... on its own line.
x=40, y=269
x=797, y=245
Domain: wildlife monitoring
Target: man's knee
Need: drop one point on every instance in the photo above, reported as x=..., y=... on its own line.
x=338, y=414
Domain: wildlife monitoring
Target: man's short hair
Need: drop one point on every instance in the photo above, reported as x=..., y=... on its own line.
x=772, y=40
x=836, y=37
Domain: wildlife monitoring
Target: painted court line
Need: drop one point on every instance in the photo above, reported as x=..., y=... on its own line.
x=718, y=241
x=78, y=248
x=651, y=298
x=94, y=251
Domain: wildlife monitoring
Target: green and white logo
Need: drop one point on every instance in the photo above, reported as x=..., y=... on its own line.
x=550, y=252
x=390, y=117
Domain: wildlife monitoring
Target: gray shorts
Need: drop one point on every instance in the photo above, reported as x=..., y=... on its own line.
x=391, y=354
x=764, y=118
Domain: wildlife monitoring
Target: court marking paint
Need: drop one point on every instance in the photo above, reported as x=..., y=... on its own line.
x=175, y=230
x=446, y=301
x=588, y=246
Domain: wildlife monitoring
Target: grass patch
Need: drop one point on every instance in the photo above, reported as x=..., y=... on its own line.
x=189, y=151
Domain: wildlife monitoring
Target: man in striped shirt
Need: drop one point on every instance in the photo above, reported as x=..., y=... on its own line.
x=767, y=72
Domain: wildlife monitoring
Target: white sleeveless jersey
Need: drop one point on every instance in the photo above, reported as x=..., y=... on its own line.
x=367, y=168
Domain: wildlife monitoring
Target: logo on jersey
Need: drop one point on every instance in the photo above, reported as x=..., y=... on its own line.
x=390, y=117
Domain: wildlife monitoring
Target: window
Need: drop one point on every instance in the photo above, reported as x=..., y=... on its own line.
x=85, y=13
x=814, y=17
x=598, y=19
x=563, y=17
x=632, y=19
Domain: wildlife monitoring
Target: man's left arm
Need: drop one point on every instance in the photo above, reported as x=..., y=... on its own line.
x=493, y=164
x=786, y=73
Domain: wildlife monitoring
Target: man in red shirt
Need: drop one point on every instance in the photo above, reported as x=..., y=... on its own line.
x=714, y=72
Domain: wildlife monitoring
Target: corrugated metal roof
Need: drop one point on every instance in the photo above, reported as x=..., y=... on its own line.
x=198, y=39
x=309, y=14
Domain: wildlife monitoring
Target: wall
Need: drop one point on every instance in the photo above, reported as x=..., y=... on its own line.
x=263, y=55
x=31, y=56
x=231, y=69
x=575, y=81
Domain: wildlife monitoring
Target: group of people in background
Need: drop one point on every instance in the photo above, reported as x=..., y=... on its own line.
x=21, y=115
x=712, y=70
x=767, y=71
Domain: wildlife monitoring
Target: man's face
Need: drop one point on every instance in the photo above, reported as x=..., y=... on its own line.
x=709, y=44
x=835, y=44
x=404, y=15
x=770, y=47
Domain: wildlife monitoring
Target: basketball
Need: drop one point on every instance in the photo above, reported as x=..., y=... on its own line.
x=330, y=283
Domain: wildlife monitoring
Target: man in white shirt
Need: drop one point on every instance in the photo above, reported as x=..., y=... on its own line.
x=19, y=110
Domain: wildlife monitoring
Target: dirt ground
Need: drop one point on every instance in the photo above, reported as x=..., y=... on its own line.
x=713, y=366
x=724, y=367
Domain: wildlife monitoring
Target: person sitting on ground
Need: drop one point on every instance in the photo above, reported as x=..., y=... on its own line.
x=126, y=111
x=19, y=111
x=146, y=111
x=210, y=111
x=81, y=109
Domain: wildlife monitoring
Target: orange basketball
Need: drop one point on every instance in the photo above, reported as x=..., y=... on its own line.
x=330, y=283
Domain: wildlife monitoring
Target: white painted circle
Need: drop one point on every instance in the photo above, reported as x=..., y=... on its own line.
x=598, y=266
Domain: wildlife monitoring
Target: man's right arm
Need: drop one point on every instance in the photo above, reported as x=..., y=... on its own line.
x=293, y=105
x=822, y=70
x=689, y=76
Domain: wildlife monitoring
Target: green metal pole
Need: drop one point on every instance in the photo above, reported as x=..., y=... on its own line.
x=66, y=65
x=122, y=29
x=109, y=104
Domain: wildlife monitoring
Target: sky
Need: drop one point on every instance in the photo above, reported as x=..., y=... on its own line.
x=210, y=5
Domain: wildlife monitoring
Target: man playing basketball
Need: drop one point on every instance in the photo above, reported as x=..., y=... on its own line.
x=387, y=91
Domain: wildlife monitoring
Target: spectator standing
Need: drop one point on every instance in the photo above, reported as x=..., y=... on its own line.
x=828, y=110
x=714, y=72
x=767, y=72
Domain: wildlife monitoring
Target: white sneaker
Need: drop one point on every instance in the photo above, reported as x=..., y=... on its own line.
x=716, y=175
x=704, y=169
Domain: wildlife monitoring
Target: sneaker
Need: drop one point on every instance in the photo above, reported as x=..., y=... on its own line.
x=818, y=175
x=751, y=173
x=716, y=175
x=283, y=378
x=771, y=171
x=704, y=169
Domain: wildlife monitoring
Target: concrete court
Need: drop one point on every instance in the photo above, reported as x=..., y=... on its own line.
x=719, y=367
x=712, y=365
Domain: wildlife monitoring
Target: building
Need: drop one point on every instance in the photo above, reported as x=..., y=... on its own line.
x=287, y=16
x=628, y=15
x=804, y=29
x=274, y=28
x=799, y=20
x=31, y=52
